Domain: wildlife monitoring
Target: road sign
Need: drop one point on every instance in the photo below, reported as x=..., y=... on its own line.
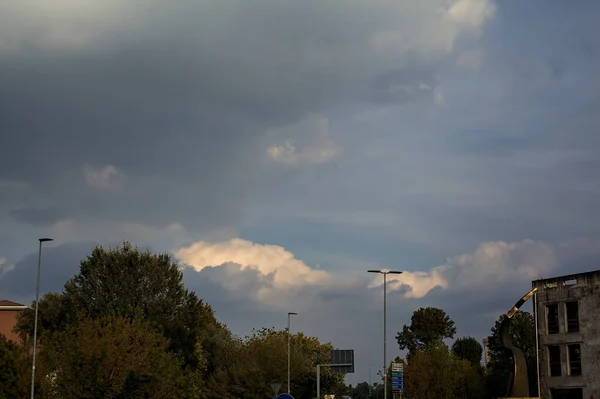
x=397, y=377
x=344, y=358
x=284, y=396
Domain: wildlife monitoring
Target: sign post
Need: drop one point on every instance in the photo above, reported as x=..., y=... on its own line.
x=342, y=362
x=397, y=378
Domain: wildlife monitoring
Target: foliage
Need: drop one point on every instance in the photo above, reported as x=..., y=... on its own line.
x=522, y=330
x=470, y=380
x=429, y=327
x=361, y=391
x=429, y=373
x=136, y=285
x=266, y=362
x=10, y=378
x=437, y=373
x=468, y=348
x=125, y=326
x=109, y=357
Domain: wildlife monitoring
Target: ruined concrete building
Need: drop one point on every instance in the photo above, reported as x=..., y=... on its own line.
x=568, y=324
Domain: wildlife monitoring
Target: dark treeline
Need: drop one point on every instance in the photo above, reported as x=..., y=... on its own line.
x=433, y=370
x=126, y=327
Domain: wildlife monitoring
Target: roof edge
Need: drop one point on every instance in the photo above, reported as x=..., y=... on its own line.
x=14, y=307
x=574, y=276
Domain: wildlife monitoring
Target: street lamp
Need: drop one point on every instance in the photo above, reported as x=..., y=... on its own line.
x=290, y=314
x=35, y=323
x=385, y=273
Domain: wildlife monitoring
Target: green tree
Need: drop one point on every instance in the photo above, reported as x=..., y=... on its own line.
x=140, y=285
x=264, y=360
x=429, y=326
x=522, y=330
x=469, y=382
x=361, y=391
x=430, y=373
x=437, y=373
x=110, y=357
x=9, y=369
x=468, y=348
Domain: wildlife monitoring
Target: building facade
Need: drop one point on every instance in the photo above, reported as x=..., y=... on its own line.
x=567, y=309
x=8, y=318
x=486, y=351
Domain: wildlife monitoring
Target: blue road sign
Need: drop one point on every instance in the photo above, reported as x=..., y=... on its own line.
x=397, y=383
x=284, y=396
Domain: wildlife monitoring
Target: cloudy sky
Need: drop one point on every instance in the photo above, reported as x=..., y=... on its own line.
x=281, y=148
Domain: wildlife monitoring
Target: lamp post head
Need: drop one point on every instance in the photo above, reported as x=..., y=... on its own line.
x=292, y=313
x=384, y=271
x=45, y=239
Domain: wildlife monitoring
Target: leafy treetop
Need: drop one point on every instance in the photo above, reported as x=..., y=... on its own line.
x=468, y=348
x=429, y=326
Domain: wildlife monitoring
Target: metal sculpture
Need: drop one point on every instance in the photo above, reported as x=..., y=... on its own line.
x=518, y=386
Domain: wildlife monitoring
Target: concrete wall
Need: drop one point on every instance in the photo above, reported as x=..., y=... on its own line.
x=587, y=292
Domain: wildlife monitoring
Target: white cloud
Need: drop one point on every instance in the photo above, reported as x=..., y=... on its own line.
x=315, y=146
x=429, y=27
x=498, y=262
x=278, y=279
x=415, y=284
x=493, y=263
x=471, y=14
x=281, y=274
x=470, y=59
x=103, y=178
x=287, y=271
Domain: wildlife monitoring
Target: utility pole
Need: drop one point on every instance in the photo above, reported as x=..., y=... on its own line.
x=290, y=314
x=385, y=365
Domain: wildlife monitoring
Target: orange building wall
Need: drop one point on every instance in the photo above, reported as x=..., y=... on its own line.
x=8, y=319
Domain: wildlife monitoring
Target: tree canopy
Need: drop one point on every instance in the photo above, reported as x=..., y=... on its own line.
x=125, y=327
x=468, y=348
x=9, y=371
x=428, y=326
x=109, y=357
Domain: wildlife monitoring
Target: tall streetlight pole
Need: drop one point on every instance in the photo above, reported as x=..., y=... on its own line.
x=385, y=368
x=35, y=323
x=290, y=314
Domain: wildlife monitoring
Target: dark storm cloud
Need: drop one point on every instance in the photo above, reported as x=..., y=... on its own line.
x=38, y=216
x=177, y=101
